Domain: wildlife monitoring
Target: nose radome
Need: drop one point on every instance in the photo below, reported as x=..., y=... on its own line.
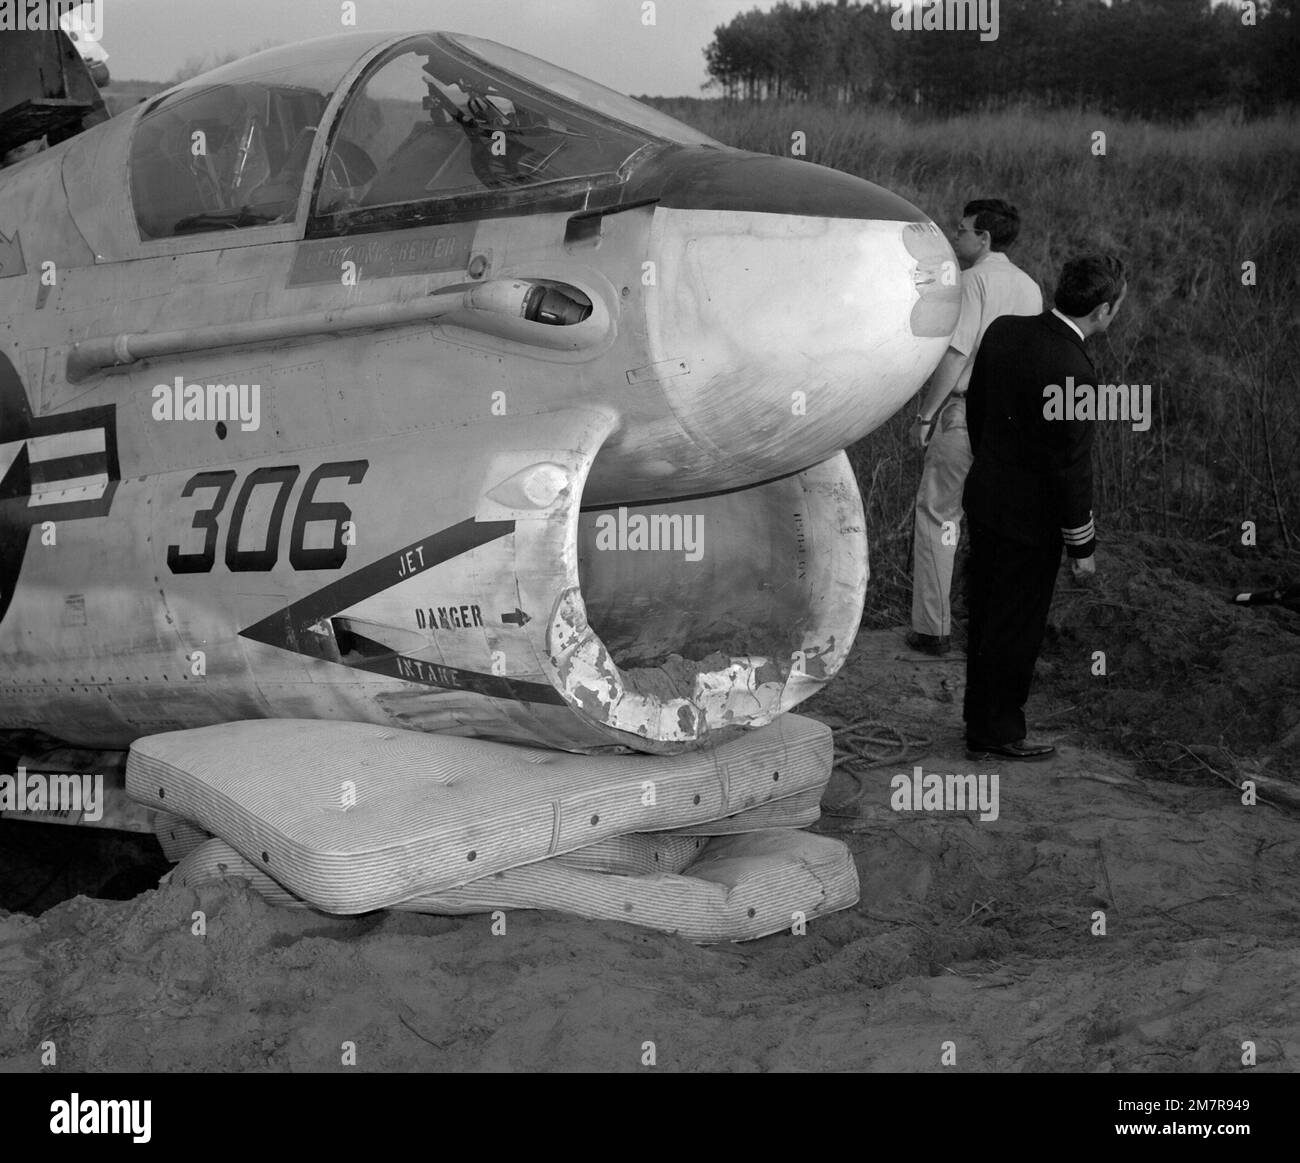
x=705, y=178
x=804, y=326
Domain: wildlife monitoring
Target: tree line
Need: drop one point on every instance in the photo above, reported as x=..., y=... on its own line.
x=1149, y=58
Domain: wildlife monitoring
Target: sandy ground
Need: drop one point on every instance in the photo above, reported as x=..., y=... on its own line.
x=975, y=933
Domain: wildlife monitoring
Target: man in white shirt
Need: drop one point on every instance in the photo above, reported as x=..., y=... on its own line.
x=991, y=285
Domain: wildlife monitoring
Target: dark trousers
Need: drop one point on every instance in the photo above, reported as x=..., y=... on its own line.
x=1008, y=592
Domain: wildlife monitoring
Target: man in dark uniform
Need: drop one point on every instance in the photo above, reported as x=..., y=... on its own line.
x=1029, y=491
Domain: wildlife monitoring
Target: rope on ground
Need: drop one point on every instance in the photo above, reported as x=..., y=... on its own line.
x=1170, y=756
x=872, y=743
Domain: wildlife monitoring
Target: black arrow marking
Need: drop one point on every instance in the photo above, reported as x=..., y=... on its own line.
x=306, y=626
x=367, y=654
x=518, y=618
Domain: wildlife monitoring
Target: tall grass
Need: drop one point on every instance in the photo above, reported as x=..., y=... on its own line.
x=1185, y=206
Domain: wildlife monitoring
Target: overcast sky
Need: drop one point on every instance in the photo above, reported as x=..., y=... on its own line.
x=602, y=39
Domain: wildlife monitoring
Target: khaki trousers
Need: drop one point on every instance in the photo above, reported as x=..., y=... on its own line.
x=938, y=501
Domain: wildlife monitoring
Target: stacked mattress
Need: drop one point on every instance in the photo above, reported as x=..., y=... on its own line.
x=352, y=817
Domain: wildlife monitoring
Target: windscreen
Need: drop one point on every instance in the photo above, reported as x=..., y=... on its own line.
x=563, y=83
x=430, y=128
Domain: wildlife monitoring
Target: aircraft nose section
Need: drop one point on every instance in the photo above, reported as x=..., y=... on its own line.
x=795, y=309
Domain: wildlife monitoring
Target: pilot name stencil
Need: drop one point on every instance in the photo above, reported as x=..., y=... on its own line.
x=463, y=617
x=444, y=248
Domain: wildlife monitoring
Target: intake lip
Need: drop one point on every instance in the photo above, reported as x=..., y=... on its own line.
x=707, y=178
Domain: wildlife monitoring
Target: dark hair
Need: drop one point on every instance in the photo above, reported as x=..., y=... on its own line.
x=999, y=218
x=1087, y=282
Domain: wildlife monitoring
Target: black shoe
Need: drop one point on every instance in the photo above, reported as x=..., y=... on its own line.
x=1021, y=749
x=929, y=643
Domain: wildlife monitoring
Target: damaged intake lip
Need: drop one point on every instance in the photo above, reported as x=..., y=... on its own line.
x=662, y=650
x=586, y=675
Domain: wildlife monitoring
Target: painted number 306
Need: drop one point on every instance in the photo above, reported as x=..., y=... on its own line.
x=265, y=552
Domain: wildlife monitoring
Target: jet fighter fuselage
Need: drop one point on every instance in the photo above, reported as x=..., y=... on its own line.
x=408, y=379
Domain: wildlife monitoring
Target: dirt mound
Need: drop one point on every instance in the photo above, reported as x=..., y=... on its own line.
x=1183, y=665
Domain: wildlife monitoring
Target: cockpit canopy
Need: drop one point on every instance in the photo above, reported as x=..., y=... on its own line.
x=435, y=127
